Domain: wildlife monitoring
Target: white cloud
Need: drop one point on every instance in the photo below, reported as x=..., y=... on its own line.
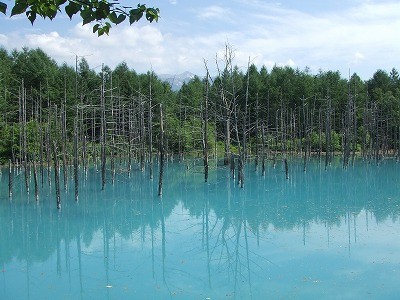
x=3, y=40
x=53, y=43
x=326, y=40
x=364, y=36
x=216, y=13
x=290, y=63
x=358, y=58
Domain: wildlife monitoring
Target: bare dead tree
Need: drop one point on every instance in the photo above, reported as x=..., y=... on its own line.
x=103, y=131
x=150, y=126
x=228, y=100
x=205, y=125
x=162, y=152
x=76, y=163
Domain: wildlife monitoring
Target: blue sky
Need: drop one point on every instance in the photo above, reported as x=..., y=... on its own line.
x=362, y=36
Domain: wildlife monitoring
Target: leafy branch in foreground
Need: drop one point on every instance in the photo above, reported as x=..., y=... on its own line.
x=102, y=12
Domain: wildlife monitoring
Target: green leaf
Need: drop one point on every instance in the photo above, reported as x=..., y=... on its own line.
x=100, y=32
x=60, y=2
x=19, y=8
x=104, y=7
x=31, y=16
x=121, y=18
x=100, y=14
x=72, y=8
x=96, y=27
x=141, y=7
x=152, y=14
x=3, y=7
x=102, y=10
x=52, y=14
x=87, y=16
x=53, y=7
x=113, y=17
x=49, y=11
x=135, y=15
x=116, y=19
x=107, y=28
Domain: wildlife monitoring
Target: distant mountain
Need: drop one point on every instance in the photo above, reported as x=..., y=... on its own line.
x=176, y=81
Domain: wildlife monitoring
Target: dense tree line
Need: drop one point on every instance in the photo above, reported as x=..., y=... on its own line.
x=258, y=113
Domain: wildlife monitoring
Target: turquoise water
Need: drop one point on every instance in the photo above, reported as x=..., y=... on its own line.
x=321, y=234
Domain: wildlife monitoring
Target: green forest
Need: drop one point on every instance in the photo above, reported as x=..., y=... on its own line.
x=86, y=114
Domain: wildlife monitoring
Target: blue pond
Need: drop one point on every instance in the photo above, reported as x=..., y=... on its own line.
x=330, y=234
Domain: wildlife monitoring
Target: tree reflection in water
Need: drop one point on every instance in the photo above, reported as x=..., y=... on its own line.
x=199, y=239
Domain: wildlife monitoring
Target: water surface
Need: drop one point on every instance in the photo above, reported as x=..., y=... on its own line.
x=321, y=234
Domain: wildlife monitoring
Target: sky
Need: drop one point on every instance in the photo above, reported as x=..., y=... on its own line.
x=357, y=36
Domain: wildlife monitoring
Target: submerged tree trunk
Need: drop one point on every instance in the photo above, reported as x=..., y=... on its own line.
x=227, y=140
x=10, y=178
x=232, y=166
x=286, y=168
x=56, y=175
x=35, y=179
x=263, y=151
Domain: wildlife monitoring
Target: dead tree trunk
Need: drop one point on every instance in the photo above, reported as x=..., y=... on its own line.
x=76, y=179
x=41, y=134
x=48, y=152
x=64, y=144
x=319, y=133
x=328, y=134
x=56, y=175
x=113, y=132
x=10, y=178
x=305, y=134
x=130, y=138
x=263, y=151
x=141, y=134
x=286, y=168
x=243, y=153
x=93, y=133
x=205, y=130
x=354, y=139
x=227, y=100
x=162, y=152
x=35, y=179
x=180, y=151
x=227, y=143
x=24, y=155
x=150, y=121
x=240, y=149
x=103, y=133
x=232, y=165
x=257, y=137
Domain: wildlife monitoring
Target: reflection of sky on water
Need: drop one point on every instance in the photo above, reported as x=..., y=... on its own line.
x=330, y=234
